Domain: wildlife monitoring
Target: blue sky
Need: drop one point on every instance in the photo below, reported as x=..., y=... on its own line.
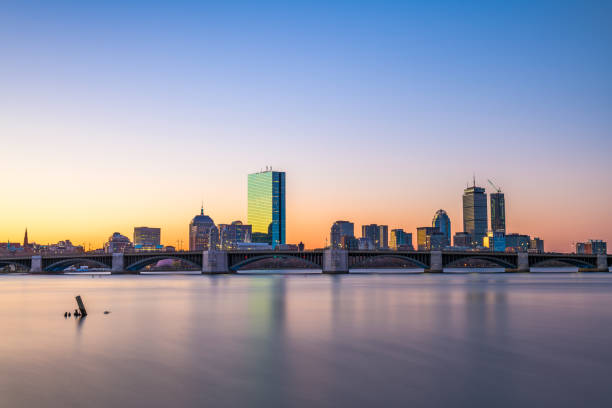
x=408, y=98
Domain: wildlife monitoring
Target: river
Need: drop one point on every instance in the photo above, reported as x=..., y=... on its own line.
x=503, y=340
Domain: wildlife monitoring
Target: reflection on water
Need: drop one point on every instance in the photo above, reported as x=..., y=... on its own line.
x=307, y=340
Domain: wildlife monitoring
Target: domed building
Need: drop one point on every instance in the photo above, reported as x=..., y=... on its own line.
x=117, y=243
x=203, y=233
x=441, y=221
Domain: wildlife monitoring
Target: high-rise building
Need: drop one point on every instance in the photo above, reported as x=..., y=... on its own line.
x=441, y=221
x=592, y=246
x=536, y=245
x=517, y=242
x=201, y=229
x=498, y=212
x=230, y=235
x=495, y=241
x=401, y=239
x=383, y=237
x=147, y=239
x=598, y=246
x=364, y=243
x=371, y=233
x=349, y=242
x=424, y=237
x=378, y=235
x=436, y=241
x=214, y=241
x=475, y=213
x=266, y=207
x=339, y=230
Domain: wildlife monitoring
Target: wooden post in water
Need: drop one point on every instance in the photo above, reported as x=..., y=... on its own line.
x=81, y=305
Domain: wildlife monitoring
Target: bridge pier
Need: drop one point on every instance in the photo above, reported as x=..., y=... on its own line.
x=335, y=261
x=118, y=265
x=435, y=263
x=522, y=263
x=602, y=263
x=214, y=261
x=36, y=266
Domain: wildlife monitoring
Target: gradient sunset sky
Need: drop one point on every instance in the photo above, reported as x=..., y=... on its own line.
x=123, y=114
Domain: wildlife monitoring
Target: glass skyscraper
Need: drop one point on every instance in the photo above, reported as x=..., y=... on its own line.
x=498, y=212
x=266, y=208
x=475, y=213
x=441, y=221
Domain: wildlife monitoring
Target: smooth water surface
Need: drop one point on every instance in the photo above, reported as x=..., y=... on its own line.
x=307, y=340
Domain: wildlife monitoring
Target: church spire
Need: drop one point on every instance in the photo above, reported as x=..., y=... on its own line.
x=202, y=210
x=25, y=239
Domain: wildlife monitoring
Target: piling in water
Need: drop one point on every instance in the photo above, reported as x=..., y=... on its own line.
x=81, y=306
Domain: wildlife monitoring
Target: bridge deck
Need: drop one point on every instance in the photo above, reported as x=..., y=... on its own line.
x=236, y=259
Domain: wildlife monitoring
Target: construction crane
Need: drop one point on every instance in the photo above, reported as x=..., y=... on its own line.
x=494, y=186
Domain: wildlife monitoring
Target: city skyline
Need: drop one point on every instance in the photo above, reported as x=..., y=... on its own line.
x=189, y=243
x=107, y=117
x=270, y=203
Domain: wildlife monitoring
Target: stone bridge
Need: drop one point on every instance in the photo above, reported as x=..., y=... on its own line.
x=329, y=261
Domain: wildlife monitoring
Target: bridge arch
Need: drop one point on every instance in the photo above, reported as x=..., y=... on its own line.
x=142, y=263
x=65, y=263
x=497, y=261
x=580, y=263
x=364, y=263
x=17, y=262
x=236, y=266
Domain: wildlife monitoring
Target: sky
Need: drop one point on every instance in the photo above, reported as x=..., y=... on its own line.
x=122, y=114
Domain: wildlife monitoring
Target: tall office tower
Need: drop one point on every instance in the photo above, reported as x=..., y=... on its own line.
x=441, y=221
x=339, y=230
x=372, y=234
x=383, y=236
x=401, y=239
x=475, y=213
x=266, y=208
x=200, y=229
x=146, y=238
x=498, y=212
